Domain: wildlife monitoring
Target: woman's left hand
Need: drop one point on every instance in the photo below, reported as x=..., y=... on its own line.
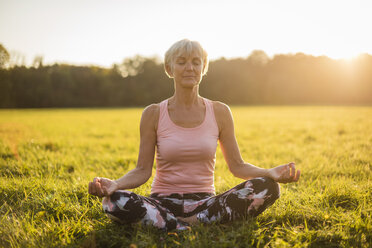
x=285, y=173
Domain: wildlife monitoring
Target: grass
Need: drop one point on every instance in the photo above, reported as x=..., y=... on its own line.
x=47, y=158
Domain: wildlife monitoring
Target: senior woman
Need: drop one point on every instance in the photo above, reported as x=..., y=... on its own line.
x=184, y=129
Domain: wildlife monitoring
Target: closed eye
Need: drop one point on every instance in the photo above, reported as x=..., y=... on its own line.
x=196, y=61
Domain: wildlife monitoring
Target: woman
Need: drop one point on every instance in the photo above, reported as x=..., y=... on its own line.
x=185, y=129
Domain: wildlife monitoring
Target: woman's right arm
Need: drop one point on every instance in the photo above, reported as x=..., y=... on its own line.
x=142, y=172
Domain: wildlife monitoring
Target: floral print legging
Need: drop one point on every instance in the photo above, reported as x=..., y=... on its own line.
x=249, y=198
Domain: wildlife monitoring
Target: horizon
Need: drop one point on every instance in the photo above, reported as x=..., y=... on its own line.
x=67, y=32
x=159, y=59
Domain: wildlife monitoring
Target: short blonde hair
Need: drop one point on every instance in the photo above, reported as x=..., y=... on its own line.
x=187, y=47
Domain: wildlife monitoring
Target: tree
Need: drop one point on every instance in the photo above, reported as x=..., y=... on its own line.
x=16, y=59
x=258, y=57
x=38, y=62
x=131, y=66
x=4, y=57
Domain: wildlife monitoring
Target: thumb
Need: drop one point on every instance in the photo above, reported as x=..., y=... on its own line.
x=105, y=190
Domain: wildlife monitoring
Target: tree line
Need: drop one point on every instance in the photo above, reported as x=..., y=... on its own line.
x=139, y=81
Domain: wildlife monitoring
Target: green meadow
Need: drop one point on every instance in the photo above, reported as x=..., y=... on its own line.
x=48, y=156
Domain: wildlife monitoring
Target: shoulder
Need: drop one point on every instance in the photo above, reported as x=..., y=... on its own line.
x=150, y=115
x=222, y=113
x=151, y=110
x=221, y=110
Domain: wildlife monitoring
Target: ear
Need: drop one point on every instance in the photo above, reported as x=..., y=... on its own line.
x=168, y=68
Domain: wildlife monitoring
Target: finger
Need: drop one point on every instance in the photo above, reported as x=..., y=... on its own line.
x=95, y=191
x=92, y=189
x=295, y=178
x=104, y=190
x=287, y=172
x=292, y=169
x=99, y=189
x=96, y=179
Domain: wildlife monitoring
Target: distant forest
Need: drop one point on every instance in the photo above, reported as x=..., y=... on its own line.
x=138, y=81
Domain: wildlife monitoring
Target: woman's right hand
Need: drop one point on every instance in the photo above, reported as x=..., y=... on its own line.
x=102, y=187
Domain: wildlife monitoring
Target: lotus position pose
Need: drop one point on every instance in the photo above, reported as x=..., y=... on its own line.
x=184, y=130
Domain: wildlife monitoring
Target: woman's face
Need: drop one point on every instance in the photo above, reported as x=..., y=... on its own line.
x=187, y=70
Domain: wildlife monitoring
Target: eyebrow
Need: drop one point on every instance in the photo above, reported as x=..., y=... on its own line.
x=183, y=58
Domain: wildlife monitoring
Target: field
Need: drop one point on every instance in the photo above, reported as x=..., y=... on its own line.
x=47, y=158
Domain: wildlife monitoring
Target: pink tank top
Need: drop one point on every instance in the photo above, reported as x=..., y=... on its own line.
x=185, y=157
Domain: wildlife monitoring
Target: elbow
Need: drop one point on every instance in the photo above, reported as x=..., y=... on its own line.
x=148, y=174
x=236, y=170
x=238, y=175
x=233, y=171
x=145, y=172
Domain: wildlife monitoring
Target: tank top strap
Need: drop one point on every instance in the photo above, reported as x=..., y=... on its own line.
x=163, y=108
x=209, y=115
x=207, y=105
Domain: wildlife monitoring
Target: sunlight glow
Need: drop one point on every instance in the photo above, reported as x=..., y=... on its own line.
x=106, y=32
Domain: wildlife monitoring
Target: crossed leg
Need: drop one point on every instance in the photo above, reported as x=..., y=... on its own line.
x=249, y=198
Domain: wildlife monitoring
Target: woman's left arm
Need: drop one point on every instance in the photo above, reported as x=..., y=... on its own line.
x=283, y=174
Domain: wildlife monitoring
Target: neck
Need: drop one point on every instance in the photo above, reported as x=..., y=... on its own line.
x=186, y=97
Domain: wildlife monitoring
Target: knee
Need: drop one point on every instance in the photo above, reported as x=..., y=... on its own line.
x=266, y=184
x=124, y=207
x=107, y=204
x=116, y=201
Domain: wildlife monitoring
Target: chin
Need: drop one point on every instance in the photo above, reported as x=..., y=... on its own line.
x=189, y=84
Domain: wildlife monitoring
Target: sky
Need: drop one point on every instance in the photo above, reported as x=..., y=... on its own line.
x=103, y=32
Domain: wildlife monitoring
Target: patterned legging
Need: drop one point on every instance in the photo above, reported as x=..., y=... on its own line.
x=249, y=198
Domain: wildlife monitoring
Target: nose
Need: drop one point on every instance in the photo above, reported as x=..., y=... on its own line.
x=189, y=66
